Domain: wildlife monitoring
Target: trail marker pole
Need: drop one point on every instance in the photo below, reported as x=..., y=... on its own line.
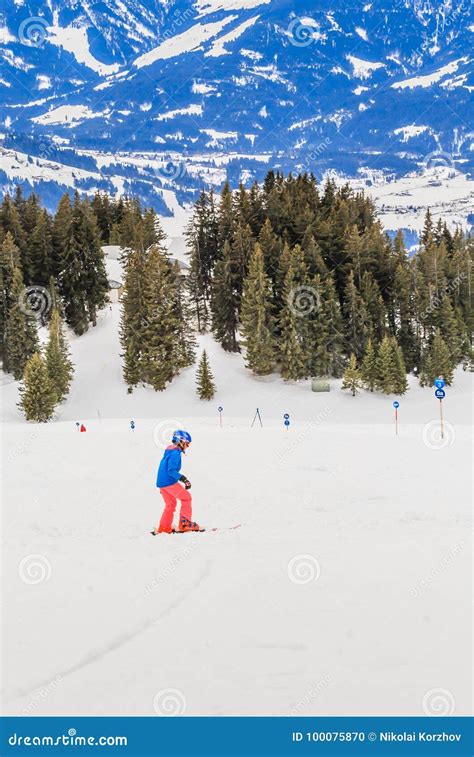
x=440, y=394
x=220, y=409
x=396, y=405
x=287, y=421
x=257, y=415
x=132, y=425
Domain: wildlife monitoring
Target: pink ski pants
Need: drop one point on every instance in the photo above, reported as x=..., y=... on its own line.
x=171, y=494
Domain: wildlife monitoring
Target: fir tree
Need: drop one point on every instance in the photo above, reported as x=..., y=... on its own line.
x=41, y=250
x=38, y=396
x=160, y=326
x=185, y=343
x=224, y=303
x=132, y=319
x=391, y=368
x=9, y=260
x=58, y=364
x=352, y=377
x=21, y=340
x=369, y=367
x=204, y=379
x=257, y=323
x=356, y=317
x=293, y=328
x=437, y=361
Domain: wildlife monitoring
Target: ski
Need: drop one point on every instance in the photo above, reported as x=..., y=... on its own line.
x=201, y=530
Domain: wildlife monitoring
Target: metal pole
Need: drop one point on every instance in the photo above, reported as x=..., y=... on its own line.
x=441, y=417
x=396, y=421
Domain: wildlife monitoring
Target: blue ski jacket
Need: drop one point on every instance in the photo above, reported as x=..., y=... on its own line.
x=169, y=468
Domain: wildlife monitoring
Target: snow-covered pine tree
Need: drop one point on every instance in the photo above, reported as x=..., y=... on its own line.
x=37, y=394
x=21, y=339
x=351, y=379
x=205, y=386
x=58, y=363
x=224, y=303
x=257, y=324
x=369, y=367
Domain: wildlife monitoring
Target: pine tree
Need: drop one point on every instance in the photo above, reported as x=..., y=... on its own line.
x=224, y=303
x=41, y=250
x=204, y=379
x=369, y=367
x=293, y=329
x=437, y=360
x=132, y=319
x=38, y=396
x=83, y=283
x=58, y=364
x=161, y=323
x=9, y=260
x=185, y=342
x=352, y=378
x=21, y=340
x=356, y=318
x=391, y=368
x=257, y=322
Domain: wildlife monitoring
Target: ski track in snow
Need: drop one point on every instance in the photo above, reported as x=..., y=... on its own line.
x=97, y=655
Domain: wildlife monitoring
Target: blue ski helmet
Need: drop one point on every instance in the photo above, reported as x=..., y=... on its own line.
x=181, y=435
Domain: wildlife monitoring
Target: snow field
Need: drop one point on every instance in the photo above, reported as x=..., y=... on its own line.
x=344, y=590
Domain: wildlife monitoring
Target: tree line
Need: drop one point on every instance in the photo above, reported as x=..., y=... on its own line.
x=304, y=277
x=300, y=277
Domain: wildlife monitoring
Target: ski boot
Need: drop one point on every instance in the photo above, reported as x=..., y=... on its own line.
x=161, y=530
x=188, y=525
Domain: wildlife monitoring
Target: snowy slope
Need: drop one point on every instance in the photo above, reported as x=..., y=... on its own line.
x=344, y=590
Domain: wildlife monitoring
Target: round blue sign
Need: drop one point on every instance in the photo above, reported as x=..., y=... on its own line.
x=440, y=394
x=220, y=409
x=286, y=416
x=439, y=383
x=287, y=422
x=132, y=424
x=396, y=404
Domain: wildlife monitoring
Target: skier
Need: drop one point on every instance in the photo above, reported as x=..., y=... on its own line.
x=167, y=481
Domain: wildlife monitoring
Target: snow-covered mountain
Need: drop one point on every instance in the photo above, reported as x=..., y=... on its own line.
x=140, y=96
